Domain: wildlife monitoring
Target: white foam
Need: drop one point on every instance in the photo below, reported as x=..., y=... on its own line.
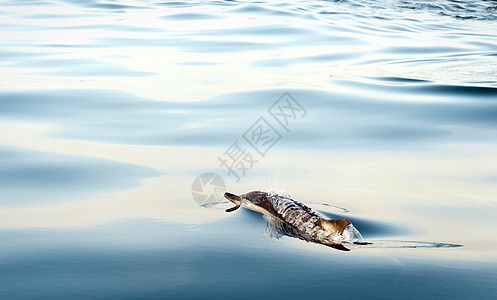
x=352, y=235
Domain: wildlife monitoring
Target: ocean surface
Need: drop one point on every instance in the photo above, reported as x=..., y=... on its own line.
x=122, y=123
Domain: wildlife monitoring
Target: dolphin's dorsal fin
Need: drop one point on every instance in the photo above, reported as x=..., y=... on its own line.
x=336, y=225
x=233, y=208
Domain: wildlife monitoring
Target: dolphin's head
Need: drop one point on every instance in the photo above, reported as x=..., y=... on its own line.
x=233, y=198
x=253, y=197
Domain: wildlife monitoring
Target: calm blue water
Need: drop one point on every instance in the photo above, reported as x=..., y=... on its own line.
x=113, y=112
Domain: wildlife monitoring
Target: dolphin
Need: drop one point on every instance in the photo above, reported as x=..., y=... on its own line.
x=293, y=218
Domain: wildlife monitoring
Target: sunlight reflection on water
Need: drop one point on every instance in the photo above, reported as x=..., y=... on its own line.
x=110, y=109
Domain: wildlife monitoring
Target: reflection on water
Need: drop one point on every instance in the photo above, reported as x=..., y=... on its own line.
x=110, y=109
x=33, y=177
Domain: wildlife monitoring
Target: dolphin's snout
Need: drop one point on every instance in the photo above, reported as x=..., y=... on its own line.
x=228, y=195
x=235, y=199
x=231, y=197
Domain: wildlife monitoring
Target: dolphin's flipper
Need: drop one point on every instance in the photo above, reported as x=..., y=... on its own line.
x=339, y=247
x=233, y=208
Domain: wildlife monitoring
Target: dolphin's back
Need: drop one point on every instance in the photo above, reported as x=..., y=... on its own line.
x=297, y=214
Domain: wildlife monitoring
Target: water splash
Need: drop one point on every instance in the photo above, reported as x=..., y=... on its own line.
x=352, y=235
